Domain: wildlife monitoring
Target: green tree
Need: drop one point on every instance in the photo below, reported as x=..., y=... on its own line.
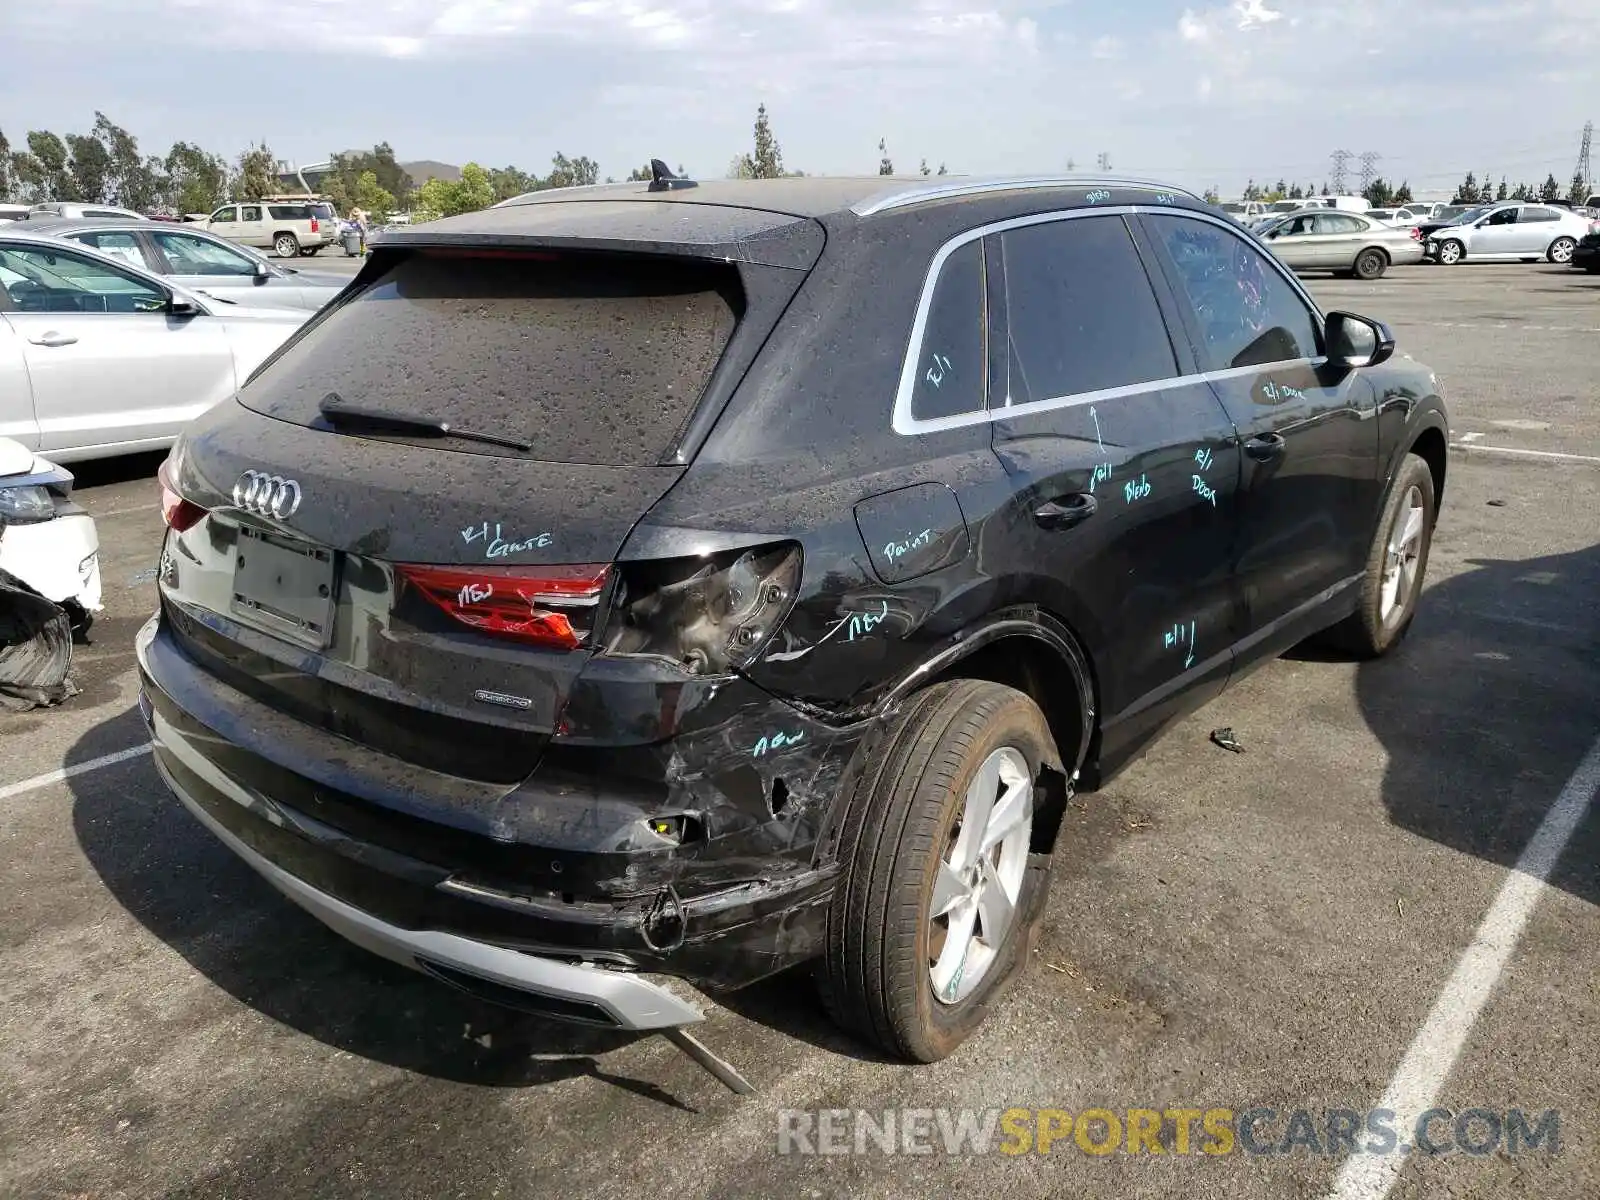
x=446, y=198
x=1282, y=189
x=1379, y=194
x=1551, y=189
x=1522, y=192
x=5, y=168
x=924, y=168
x=572, y=172
x=1467, y=193
x=1402, y=194
x=1323, y=191
x=1251, y=191
x=41, y=170
x=1579, y=191
x=134, y=181
x=90, y=166
x=512, y=181
x=940, y=171
x=255, y=175
x=196, y=179
x=885, y=167
x=1501, y=192
x=377, y=200
x=766, y=161
x=1211, y=195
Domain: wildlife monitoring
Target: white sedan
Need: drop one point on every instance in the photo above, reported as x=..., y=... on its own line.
x=98, y=357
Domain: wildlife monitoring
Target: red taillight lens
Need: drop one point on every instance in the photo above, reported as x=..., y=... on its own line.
x=178, y=513
x=314, y=225
x=1416, y=234
x=548, y=606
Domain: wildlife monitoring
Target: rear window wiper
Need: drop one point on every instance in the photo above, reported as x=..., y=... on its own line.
x=336, y=412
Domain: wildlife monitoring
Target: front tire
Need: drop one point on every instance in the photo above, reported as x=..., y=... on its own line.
x=1371, y=264
x=1396, y=564
x=286, y=245
x=1451, y=252
x=1561, y=250
x=939, y=894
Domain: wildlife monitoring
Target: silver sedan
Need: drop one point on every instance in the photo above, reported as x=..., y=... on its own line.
x=98, y=357
x=1323, y=239
x=201, y=262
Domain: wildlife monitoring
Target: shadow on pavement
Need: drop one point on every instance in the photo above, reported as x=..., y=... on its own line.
x=123, y=468
x=178, y=881
x=1490, y=705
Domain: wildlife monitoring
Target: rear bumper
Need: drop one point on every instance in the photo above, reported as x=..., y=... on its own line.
x=357, y=844
x=572, y=991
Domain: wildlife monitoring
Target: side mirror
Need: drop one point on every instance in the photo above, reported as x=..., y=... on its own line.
x=182, y=306
x=1357, y=341
x=263, y=272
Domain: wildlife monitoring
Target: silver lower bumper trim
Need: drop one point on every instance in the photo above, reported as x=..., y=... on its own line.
x=632, y=1001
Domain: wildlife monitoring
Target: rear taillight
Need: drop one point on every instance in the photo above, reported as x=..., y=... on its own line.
x=314, y=225
x=709, y=615
x=178, y=513
x=546, y=606
x=1416, y=234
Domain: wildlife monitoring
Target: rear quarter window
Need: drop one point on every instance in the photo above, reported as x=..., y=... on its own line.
x=590, y=358
x=951, y=364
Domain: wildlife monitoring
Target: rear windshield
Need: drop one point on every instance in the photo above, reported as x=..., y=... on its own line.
x=588, y=358
x=324, y=211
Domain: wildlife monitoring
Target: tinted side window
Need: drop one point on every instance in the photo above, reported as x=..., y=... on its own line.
x=1539, y=214
x=1246, y=311
x=953, y=366
x=1081, y=311
x=288, y=212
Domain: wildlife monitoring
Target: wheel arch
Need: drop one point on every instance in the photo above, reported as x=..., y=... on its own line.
x=1430, y=445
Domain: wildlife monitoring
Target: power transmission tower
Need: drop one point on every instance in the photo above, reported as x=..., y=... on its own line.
x=1583, y=171
x=1341, y=160
x=1104, y=160
x=1369, y=169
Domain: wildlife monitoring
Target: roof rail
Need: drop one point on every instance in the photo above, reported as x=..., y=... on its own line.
x=926, y=193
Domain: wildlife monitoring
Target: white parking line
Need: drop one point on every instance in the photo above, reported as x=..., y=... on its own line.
x=1438, y=1043
x=1463, y=444
x=49, y=777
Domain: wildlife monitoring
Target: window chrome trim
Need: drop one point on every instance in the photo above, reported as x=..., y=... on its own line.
x=928, y=192
x=908, y=425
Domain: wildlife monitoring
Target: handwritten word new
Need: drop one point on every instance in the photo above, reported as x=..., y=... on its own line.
x=936, y=373
x=497, y=546
x=861, y=624
x=1102, y=472
x=1204, y=490
x=1180, y=636
x=1203, y=457
x=474, y=593
x=1097, y=197
x=777, y=741
x=1137, y=490
x=894, y=550
x=1281, y=391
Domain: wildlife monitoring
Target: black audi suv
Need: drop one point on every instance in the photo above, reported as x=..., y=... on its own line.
x=661, y=584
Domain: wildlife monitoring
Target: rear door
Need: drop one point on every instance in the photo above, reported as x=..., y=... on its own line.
x=108, y=363
x=1309, y=486
x=1123, y=460
x=1536, y=228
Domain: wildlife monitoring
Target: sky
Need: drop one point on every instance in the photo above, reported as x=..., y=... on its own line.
x=1196, y=95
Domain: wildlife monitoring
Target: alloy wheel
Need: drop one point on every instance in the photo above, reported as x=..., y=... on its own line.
x=1561, y=251
x=1401, y=556
x=979, y=878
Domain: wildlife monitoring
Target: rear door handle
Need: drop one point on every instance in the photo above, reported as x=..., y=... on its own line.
x=52, y=338
x=1266, y=447
x=1066, y=511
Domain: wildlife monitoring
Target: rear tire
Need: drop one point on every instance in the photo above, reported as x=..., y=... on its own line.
x=919, y=908
x=1396, y=564
x=1451, y=252
x=1561, y=250
x=1371, y=264
x=286, y=245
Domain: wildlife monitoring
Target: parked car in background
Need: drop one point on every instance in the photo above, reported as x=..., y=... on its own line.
x=1509, y=232
x=288, y=227
x=73, y=209
x=47, y=541
x=202, y=262
x=99, y=357
x=1406, y=218
x=14, y=212
x=1341, y=242
x=854, y=613
x=1586, y=255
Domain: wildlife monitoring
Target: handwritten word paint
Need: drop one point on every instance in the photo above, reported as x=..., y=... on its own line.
x=1138, y=489
x=1102, y=472
x=1203, y=457
x=1204, y=490
x=498, y=546
x=777, y=741
x=894, y=550
x=936, y=373
x=1098, y=196
x=474, y=593
x=1278, y=392
x=1180, y=635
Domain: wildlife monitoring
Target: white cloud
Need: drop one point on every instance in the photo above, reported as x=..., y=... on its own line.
x=1191, y=28
x=1253, y=14
x=1106, y=48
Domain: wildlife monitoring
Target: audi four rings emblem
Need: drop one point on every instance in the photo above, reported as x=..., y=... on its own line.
x=267, y=495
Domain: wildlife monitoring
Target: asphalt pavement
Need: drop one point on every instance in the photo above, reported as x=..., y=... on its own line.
x=1269, y=930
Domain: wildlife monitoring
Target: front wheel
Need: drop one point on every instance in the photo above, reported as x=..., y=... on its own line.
x=1370, y=264
x=1396, y=563
x=1561, y=250
x=1451, y=252
x=286, y=245
x=940, y=892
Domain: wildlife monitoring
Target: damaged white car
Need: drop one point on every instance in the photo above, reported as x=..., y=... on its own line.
x=49, y=578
